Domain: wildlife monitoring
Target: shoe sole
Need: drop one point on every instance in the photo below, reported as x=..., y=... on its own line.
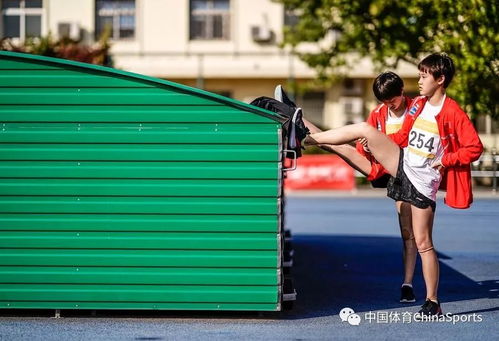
x=407, y=301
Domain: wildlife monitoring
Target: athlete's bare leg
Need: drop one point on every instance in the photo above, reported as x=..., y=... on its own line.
x=410, y=251
x=422, y=224
x=348, y=153
x=383, y=149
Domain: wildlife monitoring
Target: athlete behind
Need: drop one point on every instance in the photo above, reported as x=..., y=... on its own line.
x=387, y=117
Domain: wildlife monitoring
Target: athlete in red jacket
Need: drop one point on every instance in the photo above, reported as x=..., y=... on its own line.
x=439, y=144
x=460, y=142
x=387, y=117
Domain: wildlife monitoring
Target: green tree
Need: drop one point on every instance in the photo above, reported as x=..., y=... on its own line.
x=390, y=31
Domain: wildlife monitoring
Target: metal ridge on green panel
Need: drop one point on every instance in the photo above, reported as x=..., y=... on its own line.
x=138, y=133
x=139, y=152
x=138, y=223
x=139, y=187
x=57, y=63
x=141, y=258
x=237, y=306
x=134, y=240
x=139, y=293
x=129, y=275
x=142, y=170
x=127, y=113
x=149, y=205
x=99, y=97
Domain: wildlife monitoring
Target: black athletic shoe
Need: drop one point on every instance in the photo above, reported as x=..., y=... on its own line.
x=407, y=294
x=294, y=127
x=299, y=131
x=430, y=308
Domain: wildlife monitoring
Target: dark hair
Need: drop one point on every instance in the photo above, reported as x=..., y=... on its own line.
x=438, y=64
x=387, y=85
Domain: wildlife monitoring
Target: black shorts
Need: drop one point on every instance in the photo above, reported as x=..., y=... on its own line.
x=381, y=182
x=400, y=188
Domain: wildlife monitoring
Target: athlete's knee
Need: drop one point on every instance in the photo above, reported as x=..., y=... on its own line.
x=421, y=251
x=424, y=245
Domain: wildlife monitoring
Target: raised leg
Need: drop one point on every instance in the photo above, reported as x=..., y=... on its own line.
x=348, y=153
x=382, y=148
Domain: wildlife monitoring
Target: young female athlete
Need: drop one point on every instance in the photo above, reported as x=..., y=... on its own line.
x=434, y=147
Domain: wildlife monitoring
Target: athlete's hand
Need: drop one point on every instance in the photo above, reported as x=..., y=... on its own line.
x=363, y=142
x=437, y=165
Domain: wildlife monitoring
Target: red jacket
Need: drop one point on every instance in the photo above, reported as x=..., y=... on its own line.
x=461, y=146
x=377, y=118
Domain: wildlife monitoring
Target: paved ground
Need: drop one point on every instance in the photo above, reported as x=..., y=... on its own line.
x=347, y=253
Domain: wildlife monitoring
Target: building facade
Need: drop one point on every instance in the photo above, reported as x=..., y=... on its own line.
x=231, y=47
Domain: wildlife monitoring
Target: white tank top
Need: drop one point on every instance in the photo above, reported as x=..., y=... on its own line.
x=423, y=149
x=393, y=124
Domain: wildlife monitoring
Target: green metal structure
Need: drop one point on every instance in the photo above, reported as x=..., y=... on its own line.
x=121, y=191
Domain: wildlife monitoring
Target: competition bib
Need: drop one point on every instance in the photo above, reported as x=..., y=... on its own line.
x=424, y=138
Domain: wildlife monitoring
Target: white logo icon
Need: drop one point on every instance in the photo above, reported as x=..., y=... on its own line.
x=349, y=315
x=354, y=319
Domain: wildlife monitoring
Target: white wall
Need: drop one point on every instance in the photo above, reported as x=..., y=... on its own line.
x=78, y=11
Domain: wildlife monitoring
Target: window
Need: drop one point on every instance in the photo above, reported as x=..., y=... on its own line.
x=210, y=20
x=118, y=15
x=22, y=19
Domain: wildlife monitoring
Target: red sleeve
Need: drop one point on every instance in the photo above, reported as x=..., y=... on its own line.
x=401, y=136
x=469, y=146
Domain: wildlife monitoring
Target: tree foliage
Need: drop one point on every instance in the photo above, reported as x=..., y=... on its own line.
x=390, y=31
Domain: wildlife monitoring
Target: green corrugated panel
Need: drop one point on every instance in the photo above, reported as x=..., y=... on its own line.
x=140, y=152
x=63, y=78
x=127, y=113
x=121, y=191
x=139, y=205
x=137, y=293
x=139, y=223
x=135, y=241
x=140, y=258
x=127, y=275
x=144, y=170
x=139, y=133
x=114, y=96
x=138, y=187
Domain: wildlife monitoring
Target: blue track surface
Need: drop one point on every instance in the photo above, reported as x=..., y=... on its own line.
x=347, y=253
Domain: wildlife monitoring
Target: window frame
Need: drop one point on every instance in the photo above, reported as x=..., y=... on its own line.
x=22, y=12
x=210, y=13
x=116, y=13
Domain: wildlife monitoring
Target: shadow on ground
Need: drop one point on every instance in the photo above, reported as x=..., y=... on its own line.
x=365, y=273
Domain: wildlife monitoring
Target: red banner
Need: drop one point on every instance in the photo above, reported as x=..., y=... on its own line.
x=320, y=172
